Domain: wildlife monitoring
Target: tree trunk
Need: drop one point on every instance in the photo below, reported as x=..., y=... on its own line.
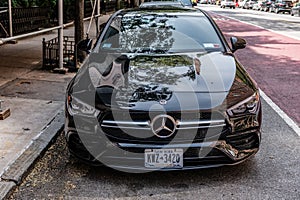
x=79, y=28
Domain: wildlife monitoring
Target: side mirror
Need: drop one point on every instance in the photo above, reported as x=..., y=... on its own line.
x=85, y=45
x=237, y=43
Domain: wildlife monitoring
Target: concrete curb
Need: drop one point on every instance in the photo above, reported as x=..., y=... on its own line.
x=14, y=174
x=5, y=188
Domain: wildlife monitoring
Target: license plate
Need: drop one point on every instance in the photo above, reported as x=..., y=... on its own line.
x=164, y=158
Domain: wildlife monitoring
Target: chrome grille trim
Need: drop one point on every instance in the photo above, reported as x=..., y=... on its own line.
x=187, y=123
x=197, y=127
x=171, y=146
x=180, y=125
x=126, y=127
x=132, y=123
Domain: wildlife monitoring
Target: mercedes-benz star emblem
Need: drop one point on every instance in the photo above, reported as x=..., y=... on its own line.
x=163, y=126
x=163, y=102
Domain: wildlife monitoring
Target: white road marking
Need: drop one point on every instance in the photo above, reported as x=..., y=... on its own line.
x=276, y=17
x=277, y=32
x=281, y=113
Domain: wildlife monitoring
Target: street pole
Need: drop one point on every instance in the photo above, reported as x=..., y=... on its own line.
x=79, y=29
x=60, y=68
x=60, y=32
x=4, y=113
x=98, y=18
x=10, y=18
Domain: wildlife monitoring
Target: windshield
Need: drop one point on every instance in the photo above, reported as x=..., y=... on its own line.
x=160, y=33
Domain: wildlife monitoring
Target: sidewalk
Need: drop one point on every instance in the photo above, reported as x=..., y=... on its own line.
x=36, y=101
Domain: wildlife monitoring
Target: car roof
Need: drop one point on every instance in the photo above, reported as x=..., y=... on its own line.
x=162, y=4
x=166, y=10
x=187, y=3
x=147, y=1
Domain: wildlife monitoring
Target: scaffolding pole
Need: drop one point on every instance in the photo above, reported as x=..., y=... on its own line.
x=98, y=18
x=10, y=19
x=60, y=68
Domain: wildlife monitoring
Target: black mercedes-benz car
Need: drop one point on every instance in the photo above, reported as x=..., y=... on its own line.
x=162, y=90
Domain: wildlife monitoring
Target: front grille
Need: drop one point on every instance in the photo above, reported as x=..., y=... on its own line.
x=243, y=141
x=145, y=116
x=213, y=157
x=136, y=127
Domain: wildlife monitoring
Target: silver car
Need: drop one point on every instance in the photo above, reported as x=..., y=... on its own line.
x=228, y=4
x=296, y=10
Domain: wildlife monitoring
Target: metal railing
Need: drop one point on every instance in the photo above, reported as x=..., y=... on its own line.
x=51, y=53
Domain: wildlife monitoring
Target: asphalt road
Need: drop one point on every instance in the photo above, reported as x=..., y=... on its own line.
x=272, y=174
x=281, y=23
x=272, y=53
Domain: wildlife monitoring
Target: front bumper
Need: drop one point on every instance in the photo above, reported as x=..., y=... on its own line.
x=96, y=144
x=217, y=153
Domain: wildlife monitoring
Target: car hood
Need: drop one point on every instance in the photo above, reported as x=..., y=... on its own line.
x=195, y=72
x=141, y=80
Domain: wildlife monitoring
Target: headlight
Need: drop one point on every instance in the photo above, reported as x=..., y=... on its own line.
x=247, y=106
x=76, y=106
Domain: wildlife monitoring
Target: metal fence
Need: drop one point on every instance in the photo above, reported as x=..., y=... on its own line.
x=24, y=20
x=4, y=32
x=51, y=53
x=109, y=6
x=27, y=20
x=34, y=18
x=51, y=48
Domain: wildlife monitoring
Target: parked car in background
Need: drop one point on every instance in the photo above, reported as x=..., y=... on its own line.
x=249, y=4
x=266, y=5
x=281, y=6
x=227, y=4
x=257, y=5
x=242, y=3
x=162, y=90
x=296, y=10
x=203, y=1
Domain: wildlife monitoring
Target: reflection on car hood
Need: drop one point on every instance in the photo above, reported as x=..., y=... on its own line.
x=138, y=80
x=211, y=72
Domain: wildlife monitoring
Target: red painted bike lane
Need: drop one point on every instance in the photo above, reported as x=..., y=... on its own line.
x=272, y=59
